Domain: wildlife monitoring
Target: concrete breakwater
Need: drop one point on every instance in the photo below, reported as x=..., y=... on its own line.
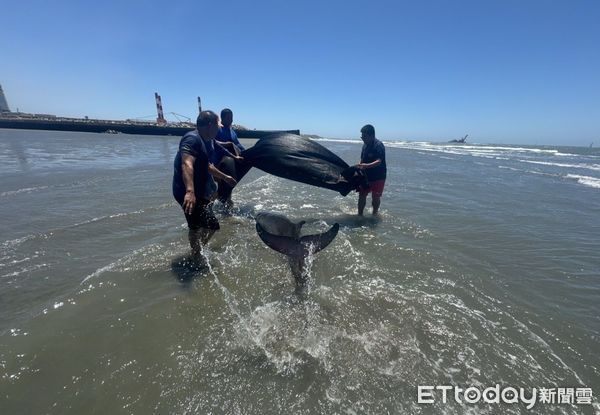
x=102, y=126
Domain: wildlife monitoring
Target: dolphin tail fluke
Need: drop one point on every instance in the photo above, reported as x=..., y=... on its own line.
x=298, y=248
x=318, y=242
x=282, y=244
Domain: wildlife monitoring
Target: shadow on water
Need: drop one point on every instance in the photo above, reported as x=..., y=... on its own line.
x=352, y=221
x=345, y=220
x=186, y=269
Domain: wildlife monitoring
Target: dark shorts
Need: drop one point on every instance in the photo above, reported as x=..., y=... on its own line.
x=202, y=217
x=376, y=187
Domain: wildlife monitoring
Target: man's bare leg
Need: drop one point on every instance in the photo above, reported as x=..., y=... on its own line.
x=195, y=242
x=376, y=203
x=362, y=201
x=199, y=238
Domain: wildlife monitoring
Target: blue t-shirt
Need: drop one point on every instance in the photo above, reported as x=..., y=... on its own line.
x=227, y=134
x=204, y=184
x=374, y=151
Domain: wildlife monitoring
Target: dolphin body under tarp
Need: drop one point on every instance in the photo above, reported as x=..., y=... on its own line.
x=282, y=235
x=297, y=158
x=233, y=168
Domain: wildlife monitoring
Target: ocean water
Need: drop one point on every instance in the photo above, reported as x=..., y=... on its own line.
x=483, y=269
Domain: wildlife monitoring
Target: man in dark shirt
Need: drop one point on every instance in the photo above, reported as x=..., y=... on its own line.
x=193, y=183
x=372, y=161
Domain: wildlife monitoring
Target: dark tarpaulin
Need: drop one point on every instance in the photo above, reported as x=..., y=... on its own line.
x=297, y=158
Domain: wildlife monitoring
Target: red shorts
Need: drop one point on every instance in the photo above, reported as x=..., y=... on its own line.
x=376, y=187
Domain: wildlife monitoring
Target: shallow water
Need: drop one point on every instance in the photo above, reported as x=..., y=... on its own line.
x=482, y=269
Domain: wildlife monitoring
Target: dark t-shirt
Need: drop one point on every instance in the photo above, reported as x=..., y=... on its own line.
x=369, y=154
x=192, y=144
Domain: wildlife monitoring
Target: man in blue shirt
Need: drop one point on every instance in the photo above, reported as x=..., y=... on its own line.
x=372, y=161
x=193, y=183
x=226, y=133
x=226, y=140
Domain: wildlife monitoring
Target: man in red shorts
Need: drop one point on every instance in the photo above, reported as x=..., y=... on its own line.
x=372, y=161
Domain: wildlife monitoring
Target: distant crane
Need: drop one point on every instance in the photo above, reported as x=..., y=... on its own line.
x=160, y=120
x=182, y=116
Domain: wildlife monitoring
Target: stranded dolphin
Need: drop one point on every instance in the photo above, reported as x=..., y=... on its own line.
x=296, y=158
x=234, y=168
x=282, y=235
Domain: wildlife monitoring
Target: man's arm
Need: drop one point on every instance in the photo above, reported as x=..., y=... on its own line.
x=223, y=151
x=379, y=153
x=375, y=163
x=235, y=140
x=187, y=169
x=220, y=175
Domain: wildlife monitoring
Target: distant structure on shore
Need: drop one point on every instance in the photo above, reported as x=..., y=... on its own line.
x=19, y=120
x=3, y=103
x=160, y=120
x=460, y=140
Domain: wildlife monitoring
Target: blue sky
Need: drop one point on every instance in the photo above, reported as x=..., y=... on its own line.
x=501, y=71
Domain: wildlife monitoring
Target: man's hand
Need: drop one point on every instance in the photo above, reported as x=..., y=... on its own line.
x=239, y=158
x=218, y=174
x=189, y=202
x=230, y=181
x=360, y=166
